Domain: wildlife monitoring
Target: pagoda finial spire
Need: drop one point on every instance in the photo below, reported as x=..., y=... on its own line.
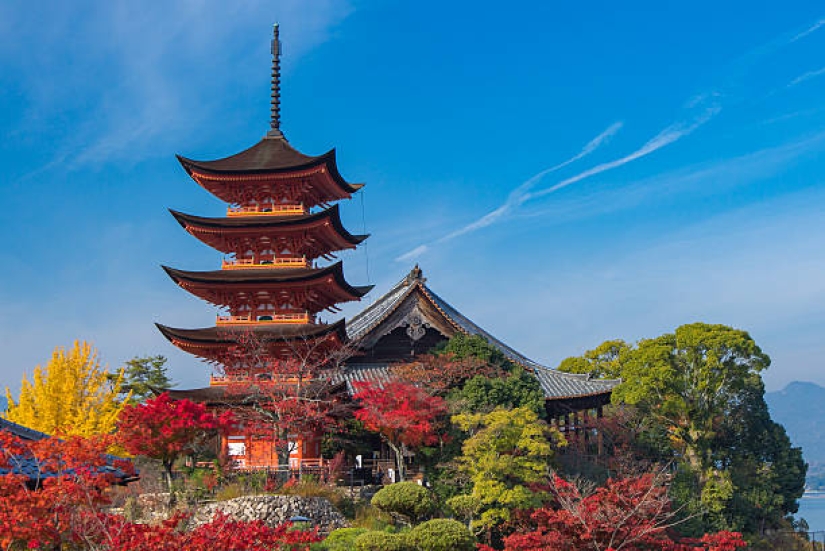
x=275, y=100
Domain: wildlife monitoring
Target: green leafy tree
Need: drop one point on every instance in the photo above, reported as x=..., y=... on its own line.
x=473, y=346
x=603, y=361
x=517, y=389
x=144, y=376
x=702, y=384
x=508, y=452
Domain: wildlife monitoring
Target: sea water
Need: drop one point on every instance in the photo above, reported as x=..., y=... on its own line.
x=812, y=509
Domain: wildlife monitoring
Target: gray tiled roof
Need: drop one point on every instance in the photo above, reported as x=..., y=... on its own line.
x=375, y=313
x=556, y=384
x=20, y=431
x=31, y=467
x=377, y=374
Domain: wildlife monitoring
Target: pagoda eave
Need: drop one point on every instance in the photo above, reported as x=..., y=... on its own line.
x=230, y=182
x=308, y=289
x=225, y=346
x=319, y=233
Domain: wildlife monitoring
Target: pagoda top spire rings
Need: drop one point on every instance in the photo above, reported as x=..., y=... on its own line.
x=275, y=97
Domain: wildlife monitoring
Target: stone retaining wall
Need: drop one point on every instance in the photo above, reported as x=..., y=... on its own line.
x=275, y=510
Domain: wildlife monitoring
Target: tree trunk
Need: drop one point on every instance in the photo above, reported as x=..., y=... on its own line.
x=170, y=486
x=399, y=460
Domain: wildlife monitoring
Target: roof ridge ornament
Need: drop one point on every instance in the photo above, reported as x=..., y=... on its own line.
x=416, y=275
x=275, y=95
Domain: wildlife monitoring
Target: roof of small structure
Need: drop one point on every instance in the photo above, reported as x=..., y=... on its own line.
x=556, y=384
x=34, y=471
x=22, y=432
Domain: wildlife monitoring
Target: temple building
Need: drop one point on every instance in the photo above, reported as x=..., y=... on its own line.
x=282, y=228
x=411, y=319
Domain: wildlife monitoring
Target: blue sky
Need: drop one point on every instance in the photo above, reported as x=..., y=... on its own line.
x=564, y=172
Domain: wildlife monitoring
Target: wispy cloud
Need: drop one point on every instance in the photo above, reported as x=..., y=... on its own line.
x=701, y=179
x=666, y=137
x=413, y=254
x=133, y=100
x=519, y=195
x=806, y=76
x=812, y=29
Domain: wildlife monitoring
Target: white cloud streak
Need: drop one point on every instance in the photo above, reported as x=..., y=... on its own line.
x=806, y=76
x=666, y=137
x=519, y=195
x=812, y=29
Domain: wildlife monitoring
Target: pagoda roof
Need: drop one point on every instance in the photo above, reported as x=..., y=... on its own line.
x=275, y=332
x=275, y=276
x=245, y=391
x=271, y=155
x=331, y=215
x=412, y=294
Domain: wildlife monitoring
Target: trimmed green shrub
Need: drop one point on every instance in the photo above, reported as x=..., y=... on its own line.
x=441, y=534
x=408, y=500
x=343, y=539
x=381, y=541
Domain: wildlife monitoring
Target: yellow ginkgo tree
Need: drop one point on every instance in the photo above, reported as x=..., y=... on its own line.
x=72, y=395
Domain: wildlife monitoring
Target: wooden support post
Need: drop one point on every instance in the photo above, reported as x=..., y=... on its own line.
x=599, y=437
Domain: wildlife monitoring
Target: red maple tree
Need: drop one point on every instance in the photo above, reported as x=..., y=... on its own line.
x=221, y=534
x=53, y=495
x=631, y=514
x=166, y=429
x=51, y=489
x=405, y=416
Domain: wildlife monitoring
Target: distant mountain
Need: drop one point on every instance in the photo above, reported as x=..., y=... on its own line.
x=800, y=407
x=3, y=403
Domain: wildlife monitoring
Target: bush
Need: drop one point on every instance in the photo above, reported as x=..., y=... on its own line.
x=342, y=539
x=312, y=488
x=370, y=518
x=408, y=500
x=381, y=541
x=441, y=534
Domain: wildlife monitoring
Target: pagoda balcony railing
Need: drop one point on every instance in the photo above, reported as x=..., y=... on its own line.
x=282, y=262
x=266, y=210
x=300, y=317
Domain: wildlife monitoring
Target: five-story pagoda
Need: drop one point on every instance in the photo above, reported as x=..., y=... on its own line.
x=280, y=223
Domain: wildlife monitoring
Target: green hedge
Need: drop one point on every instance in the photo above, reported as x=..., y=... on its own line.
x=381, y=541
x=441, y=534
x=406, y=499
x=342, y=539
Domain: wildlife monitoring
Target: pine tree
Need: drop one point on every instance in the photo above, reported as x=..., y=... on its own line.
x=72, y=395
